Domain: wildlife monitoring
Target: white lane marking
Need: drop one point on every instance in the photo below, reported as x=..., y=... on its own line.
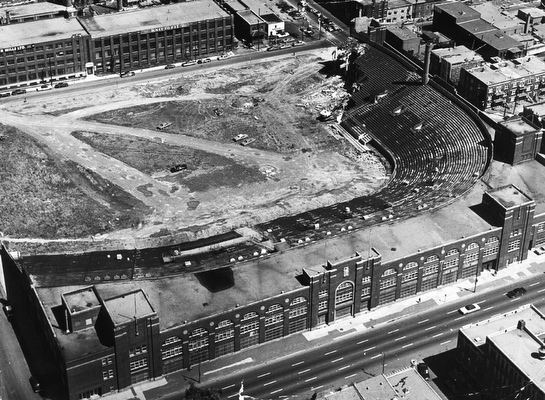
x=539, y=291
x=448, y=341
x=430, y=327
x=407, y=345
x=233, y=395
x=265, y=374
x=350, y=376
x=245, y=361
x=362, y=341
x=269, y=383
x=437, y=335
x=297, y=363
x=480, y=302
x=399, y=338
x=459, y=318
x=488, y=308
x=312, y=389
x=453, y=311
x=515, y=299
x=370, y=348
x=345, y=367
x=302, y=372
x=227, y=387
x=311, y=379
x=424, y=320
x=378, y=355
x=534, y=284
x=394, y=331
x=330, y=352
x=276, y=391
x=337, y=359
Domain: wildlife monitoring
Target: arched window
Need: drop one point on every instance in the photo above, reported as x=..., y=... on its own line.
x=410, y=272
x=452, y=259
x=431, y=265
x=225, y=323
x=344, y=293
x=198, y=346
x=491, y=246
x=471, y=254
x=432, y=258
x=224, y=338
x=410, y=265
x=389, y=271
x=297, y=315
x=274, y=322
x=452, y=252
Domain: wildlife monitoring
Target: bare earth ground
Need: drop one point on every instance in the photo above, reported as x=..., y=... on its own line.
x=108, y=135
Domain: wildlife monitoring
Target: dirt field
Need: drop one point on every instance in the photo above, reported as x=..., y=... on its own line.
x=47, y=197
x=294, y=164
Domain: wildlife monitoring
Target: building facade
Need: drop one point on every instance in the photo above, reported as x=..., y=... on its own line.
x=517, y=140
x=448, y=62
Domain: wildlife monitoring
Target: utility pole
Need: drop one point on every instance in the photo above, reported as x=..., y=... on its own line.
x=476, y=279
x=383, y=360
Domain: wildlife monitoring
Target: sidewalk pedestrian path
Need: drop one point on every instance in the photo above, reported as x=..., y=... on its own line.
x=275, y=350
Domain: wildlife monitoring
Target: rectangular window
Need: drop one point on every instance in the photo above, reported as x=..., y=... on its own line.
x=172, y=352
x=365, y=279
x=322, y=305
x=109, y=374
x=107, y=360
x=138, y=364
x=513, y=245
x=346, y=271
x=138, y=350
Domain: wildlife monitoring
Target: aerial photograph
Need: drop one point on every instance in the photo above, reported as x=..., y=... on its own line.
x=272, y=200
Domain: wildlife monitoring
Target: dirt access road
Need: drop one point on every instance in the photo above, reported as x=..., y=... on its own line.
x=286, y=181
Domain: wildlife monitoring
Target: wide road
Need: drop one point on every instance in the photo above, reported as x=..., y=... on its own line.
x=343, y=360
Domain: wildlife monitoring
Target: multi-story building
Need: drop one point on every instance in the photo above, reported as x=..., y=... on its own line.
x=507, y=353
x=503, y=83
x=403, y=39
x=106, y=336
x=33, y=12
x=517, y=140
x=42, y=50
x=182, y=31
x=447, y=62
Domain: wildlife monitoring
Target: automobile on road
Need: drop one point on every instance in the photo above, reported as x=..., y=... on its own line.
x=516, y=292
x=5, y=94
x=282, y=34
x=540, y=251
x=423, y=370
x=61, y=85
x=178, y=168
x=127, y=74
x=35, y=384
x=8, y=310
x=203, y=60
x=163, y=125
x=470, y=308
x=170, y=66
x=18, y=91
x=188, y=63
x=44, y=87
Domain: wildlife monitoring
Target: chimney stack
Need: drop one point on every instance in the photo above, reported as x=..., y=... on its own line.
x=527, y=23
x=426, y=71
x=521, y=325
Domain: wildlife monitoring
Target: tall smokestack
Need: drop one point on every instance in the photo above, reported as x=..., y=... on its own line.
x=426, y=71
x=527, y=23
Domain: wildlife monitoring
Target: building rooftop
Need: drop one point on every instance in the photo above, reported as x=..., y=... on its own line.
x=509, y=196
x=491, y=13
x=152, y=19
x=518, y=125
x=534, y=12
x=235, y=5
x=402, y=32
x=82, y=299
x=537, y=108
x=458, y=10
x=393, y=4
x=477, y=26
x=23, y=10
x=128, y=307
x=250, y=17
x=509, y=70
x=44, y=30
x=500, y=41
x=257, y=6
x=516, y=344
x=457, y=54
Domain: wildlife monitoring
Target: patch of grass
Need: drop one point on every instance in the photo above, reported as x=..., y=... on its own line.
x=46, y=197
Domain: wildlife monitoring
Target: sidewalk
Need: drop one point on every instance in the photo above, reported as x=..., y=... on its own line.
x=298, y=343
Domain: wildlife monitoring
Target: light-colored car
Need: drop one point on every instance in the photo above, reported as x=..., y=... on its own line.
x=282, y=34
x=163, y=125
x=188, y=63
x=240, y=136
x=470, y=308
x=44, y=87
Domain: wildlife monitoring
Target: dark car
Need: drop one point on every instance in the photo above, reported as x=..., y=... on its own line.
x=126, y=74
x=423, y=370
x=8, y=310
x=517, y=292
x=6, y=94
x=35, y=384
x=61, y=85
x=18, y=91
x=170, y=66
x=178, y=168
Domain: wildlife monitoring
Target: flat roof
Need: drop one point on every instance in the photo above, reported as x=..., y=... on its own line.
x=45, y=30
x=458, y=10
x=152, y=18
x=250, y=17
x=128, y=307
x=257, y=6
x=457, y=54
x=397, y=4
x=518, y=126
x=509, y=196
x=537, y=108
x=514, y=343
x=82, y=299
x=477, y=26
x=402, y=32
x=509, y=70
x=534, y=12
x=500, y=41
x=235, y=5
x=22, y=10
x=492, y=14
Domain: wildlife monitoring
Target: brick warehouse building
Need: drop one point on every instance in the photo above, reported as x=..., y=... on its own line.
x=158, y=36
x=42, y=50
x=107, y=336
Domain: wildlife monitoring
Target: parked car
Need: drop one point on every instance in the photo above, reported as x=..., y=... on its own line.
x=240, y=136
x=44, y=87
x=423, y=370
x=188, y=63
x=516, y=292
x=272, y=48
x=308, y=32
x=298, y=43
x=5, y=94
x=170, y=66
x=540, y=251
x=470, y=308
x=8, y=310
x=247, y=141
x=282, y=34
x=18, y=91
x=61, y=85
x=35, y=384
x=127, y=74
x=203, y=60
x=163, y=125
x=178, y=168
